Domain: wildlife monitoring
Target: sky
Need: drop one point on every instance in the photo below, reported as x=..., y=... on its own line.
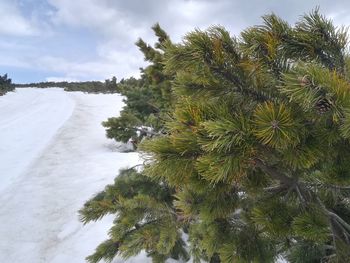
x=76, y=40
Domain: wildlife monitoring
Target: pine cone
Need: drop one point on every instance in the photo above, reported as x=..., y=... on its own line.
x=323, y=105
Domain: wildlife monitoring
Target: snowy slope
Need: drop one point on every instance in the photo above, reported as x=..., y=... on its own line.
x=54, y=156
x=28, y=121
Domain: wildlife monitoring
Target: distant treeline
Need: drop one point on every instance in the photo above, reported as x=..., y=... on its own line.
x=108, y=86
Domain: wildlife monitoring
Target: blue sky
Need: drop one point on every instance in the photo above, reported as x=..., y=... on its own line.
x=94, y=39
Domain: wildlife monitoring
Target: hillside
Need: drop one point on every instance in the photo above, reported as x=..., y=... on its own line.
x=54, y=157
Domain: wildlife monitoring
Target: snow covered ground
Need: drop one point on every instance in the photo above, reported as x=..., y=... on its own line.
x=53, y=157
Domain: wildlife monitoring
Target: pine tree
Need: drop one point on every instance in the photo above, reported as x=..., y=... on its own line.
x=148, y=99
x=254, y=163
x=110, y=85
x=5, y=85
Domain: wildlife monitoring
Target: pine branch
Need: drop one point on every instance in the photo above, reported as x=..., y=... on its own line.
x=336, y=187
x=157, y=109
x=300, y=195
x=321, y=204
x=274, y=173
x=275, y=189
x=340, y=220
x=343, y=226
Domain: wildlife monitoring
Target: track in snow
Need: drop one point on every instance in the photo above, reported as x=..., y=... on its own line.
x=54, y=156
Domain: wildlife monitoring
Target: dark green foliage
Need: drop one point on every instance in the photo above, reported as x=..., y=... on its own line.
x=105, y=251
x=5, y=85
x=145, y=219
x=256, y=151
x=147, y=99
x=122, y=128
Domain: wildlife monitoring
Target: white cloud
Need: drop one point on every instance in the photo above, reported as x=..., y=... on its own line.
x=93, y=70
x=12, y=22
x=81, y=12
x=117, y=25
x=60, y=79
x=94, y=39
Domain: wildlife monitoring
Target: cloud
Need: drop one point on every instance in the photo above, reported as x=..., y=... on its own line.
x=95, y=38
x=98, y=70
x=60, y=79
x=117, y=25
x=13, y=23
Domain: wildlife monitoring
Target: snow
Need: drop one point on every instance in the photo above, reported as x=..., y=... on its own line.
x=28, y=121
x=54, y=156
